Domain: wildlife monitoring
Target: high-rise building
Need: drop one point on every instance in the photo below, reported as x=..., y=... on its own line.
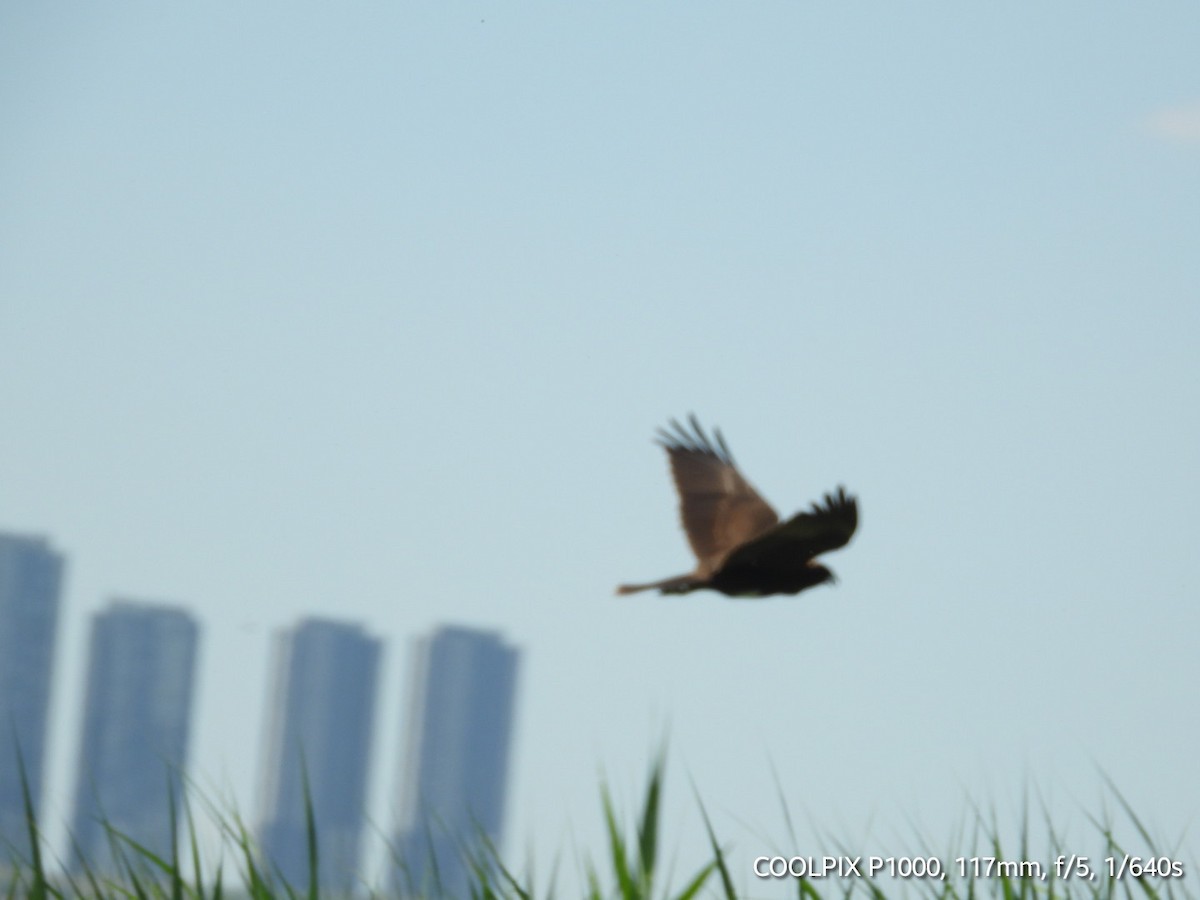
x=136, y=722
x=30, y=582
x=455, y=771
x=321, y=712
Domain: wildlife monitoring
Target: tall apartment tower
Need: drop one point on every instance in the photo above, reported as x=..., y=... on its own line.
x=136, y=722
x=455, y=777
x=321, y=712
x=30, y=583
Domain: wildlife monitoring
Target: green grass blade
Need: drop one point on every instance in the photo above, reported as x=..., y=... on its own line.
x=698, y=881
x=616, y=845
x=176, y=874
x=197, y=868
x=492, y=858
x=39, y=888
x=310, y=830
x=648, y=829
x=718, y=856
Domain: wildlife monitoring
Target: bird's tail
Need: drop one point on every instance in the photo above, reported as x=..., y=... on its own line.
x=680, y=584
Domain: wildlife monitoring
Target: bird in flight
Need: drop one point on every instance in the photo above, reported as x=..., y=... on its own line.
x=741, y=547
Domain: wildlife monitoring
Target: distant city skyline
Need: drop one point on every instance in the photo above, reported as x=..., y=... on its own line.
x=31, y=574
x=137, y=723
x=459, y=729
x=451, y=767
x=316, y=749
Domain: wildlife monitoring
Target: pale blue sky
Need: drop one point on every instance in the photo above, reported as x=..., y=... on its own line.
x=370, y=311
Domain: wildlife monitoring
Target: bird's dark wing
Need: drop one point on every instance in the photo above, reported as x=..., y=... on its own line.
x=719, y=508
x=803, y=536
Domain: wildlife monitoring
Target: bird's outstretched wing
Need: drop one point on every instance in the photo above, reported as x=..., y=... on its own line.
x=803, y=536
x=719, y=508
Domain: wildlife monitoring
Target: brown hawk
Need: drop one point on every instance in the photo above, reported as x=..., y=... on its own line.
x=741, y=547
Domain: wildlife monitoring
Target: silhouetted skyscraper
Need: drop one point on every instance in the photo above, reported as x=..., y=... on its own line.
x=30, y=582
x=136, y=721
x=455, y=781
x=321, y=713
